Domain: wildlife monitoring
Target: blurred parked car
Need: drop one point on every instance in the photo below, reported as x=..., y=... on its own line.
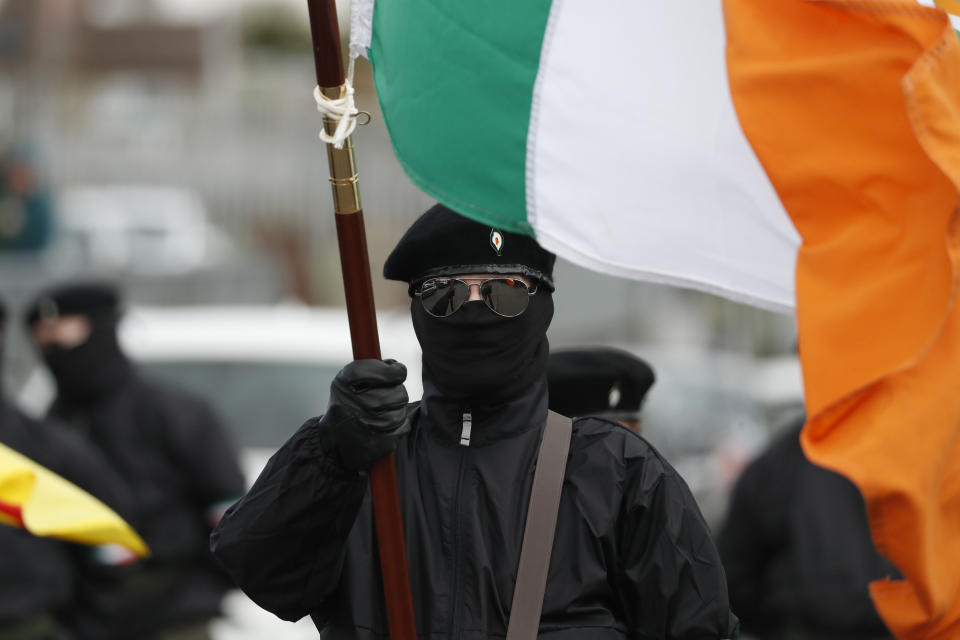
x=265, y=369
x=710, y=412
x=144, y=229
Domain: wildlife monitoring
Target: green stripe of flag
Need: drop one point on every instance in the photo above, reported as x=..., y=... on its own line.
x=443, y=111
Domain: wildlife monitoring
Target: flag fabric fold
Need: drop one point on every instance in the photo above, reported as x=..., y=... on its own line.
x=878, y=269
x=35, y=499
x=801, y=155
x=547, y=127
x=952, y=7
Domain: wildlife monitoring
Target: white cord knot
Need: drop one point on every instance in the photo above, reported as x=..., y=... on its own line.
x=342, y=110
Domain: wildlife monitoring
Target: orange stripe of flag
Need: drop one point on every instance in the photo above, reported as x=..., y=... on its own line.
x=853, y=108
x=950, y=6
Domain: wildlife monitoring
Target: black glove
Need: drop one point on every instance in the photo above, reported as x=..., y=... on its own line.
x=367, y=412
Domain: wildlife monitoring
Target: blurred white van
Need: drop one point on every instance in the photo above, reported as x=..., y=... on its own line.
x=265, y=369
x=142, y=229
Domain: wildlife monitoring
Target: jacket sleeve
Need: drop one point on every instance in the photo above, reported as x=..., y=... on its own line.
x=672, y=580
x=753, y=529
x=200, y=445
x=284, y=542
x=73, y=456
x=755, y=535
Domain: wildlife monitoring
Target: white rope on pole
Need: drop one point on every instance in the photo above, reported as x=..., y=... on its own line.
x=361, y=27
x=342, y=110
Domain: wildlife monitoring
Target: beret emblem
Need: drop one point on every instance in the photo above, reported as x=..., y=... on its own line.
x=613, y=398
x=496, y=240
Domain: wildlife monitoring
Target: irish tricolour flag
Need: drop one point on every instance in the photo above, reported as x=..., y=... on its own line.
x=798, y=154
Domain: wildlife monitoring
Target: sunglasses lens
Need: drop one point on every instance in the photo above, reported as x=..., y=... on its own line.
x=505, y=296
x=440, y=298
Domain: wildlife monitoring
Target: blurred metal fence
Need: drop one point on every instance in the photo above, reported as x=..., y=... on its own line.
x=244, y=136
x=246, y=142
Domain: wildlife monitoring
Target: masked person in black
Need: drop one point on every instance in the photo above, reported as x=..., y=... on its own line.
x=632, y=557
x=171, y=451
x=37, y=588
x=798, y=551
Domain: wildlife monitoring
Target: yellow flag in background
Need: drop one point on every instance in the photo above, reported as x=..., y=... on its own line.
x=35, y=499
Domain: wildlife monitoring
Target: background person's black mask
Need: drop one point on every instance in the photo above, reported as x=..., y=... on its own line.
x=475, y=356
x=88, y=372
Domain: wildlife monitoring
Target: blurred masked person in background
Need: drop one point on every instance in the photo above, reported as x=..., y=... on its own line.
x=171, y=450
x=38, y=575
x=796, y=545
x=603, y=382
x=632, y=556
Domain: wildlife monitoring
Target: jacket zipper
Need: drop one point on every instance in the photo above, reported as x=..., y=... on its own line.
x=467, y=429
x=456, y=625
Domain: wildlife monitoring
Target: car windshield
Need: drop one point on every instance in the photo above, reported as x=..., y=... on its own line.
x=261, y=403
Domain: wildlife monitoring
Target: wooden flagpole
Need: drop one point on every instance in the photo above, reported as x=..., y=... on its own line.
x=361, y=314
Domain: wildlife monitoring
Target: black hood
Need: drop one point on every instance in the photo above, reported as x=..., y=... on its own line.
x=89, y=372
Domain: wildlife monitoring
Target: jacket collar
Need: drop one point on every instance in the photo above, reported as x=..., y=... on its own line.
x=443, y=419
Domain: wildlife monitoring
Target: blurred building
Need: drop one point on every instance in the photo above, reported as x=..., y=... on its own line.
x=217, y=102
x=210, y=103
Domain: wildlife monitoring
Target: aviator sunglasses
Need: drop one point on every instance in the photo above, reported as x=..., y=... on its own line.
x=507, y=297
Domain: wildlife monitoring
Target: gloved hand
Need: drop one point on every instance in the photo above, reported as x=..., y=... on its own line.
x=367, y=412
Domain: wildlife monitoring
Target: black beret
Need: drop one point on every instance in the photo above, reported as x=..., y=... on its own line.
x=94, y=299
x=602, y=381
x=444, y=242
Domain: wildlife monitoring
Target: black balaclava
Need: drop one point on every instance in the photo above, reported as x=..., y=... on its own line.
x=87, y=373
x=90, y=371
x=475, y=356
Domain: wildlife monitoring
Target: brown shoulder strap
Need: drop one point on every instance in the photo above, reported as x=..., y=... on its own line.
x=539, y=529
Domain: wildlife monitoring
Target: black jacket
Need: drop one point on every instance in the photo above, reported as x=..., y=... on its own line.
x=178, y=461
x=797, y=549
x=632, y=558
x=39, y=573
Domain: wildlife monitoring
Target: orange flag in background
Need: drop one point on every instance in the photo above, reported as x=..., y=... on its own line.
x=860, y=136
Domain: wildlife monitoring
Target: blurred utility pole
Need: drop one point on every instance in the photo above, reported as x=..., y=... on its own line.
x=36, y=38
x=286, y=244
